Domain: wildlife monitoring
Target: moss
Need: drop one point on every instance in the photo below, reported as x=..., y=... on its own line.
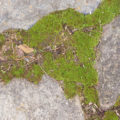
x=73, y=60
x=2, y=40
x=117, y=102
x=18, y=71
x=7, y=78
x=46, y=32
x=110, y=115
x=34, y=74
x=90, y=95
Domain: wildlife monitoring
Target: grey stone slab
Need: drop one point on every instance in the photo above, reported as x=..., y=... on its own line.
x=23, y=100
x=24, y=13
x=108, y=65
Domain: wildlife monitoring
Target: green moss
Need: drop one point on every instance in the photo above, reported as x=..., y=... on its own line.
x=74, y=62
x=110, y=115
x=117, y=102
x=18, y=71
x=46, y=32
x=7, y=78
x=2, y=40
x=34, y=74
x=90, y=95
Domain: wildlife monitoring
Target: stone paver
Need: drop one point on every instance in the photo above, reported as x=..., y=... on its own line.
x=22, y=100
x=108, y=65
x=24, y=13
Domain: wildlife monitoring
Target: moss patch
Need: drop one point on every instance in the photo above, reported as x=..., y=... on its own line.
x=67, y=42
x=110, y=115
x=2, y=40
x=117, y=102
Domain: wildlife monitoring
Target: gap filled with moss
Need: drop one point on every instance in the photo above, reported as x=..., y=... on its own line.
x=110, y=115
x=66, y=41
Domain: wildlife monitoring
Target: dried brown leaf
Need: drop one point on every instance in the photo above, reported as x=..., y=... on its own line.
x=26, y=49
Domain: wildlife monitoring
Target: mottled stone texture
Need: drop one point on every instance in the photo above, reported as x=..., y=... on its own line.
x=109, y=64
x=22, y=100
x=24, y=13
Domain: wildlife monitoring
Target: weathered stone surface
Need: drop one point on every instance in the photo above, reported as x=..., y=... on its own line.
x=109, y=64
x=22, y=100
x=24, y=13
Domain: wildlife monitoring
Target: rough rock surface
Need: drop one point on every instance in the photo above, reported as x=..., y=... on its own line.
x=24, y=13
x=22, y=100
x=109, y=64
